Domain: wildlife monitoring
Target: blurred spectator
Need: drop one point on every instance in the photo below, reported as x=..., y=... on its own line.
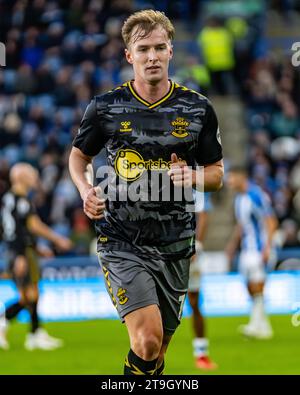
x=217, y=47
x=59, y=54
x=289, y=234
x=194, y=75
x=285, y=122
x=82, y=234
x=272, y=117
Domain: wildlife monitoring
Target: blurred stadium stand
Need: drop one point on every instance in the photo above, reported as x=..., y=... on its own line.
x=60, y=53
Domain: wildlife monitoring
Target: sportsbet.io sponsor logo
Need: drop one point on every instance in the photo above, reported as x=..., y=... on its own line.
x=129, y=179
x=296, y=55
x=130, y=165
x=2, y=55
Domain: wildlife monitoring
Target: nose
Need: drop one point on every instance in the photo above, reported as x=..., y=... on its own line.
x=152, y=54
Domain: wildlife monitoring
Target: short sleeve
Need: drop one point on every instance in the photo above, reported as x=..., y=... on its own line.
x=25, y=208
x=90, y=138
x=209, y=148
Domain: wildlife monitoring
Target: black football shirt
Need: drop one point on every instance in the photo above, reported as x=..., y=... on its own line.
x=14, y=213
x=139, y=138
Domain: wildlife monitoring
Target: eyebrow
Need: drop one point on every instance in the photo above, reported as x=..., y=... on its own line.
x=156, y=45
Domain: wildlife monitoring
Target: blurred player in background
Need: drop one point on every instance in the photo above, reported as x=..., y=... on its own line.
x=145, y=246
x=200, y=341
x=20, y=226
x=254, y=231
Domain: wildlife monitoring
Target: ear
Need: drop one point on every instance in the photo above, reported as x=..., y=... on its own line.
x=171, y=51
x=128, y=56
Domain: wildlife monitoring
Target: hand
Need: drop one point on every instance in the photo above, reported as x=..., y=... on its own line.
x=193, y=259
x=93, y=204
x=63, y=243
x=45, y=252
x=198, y=251
x=266, y=254
x=180, y=173
x=230, y=254
x=198, y=247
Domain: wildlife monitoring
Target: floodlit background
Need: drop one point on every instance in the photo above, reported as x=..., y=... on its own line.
x=61, y=53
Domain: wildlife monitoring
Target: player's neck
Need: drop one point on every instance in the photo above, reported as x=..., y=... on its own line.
x=19, y=189
x=151, y=92
x=244, y=186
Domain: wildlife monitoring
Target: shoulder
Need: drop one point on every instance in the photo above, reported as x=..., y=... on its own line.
x=111, y=96
x=191, y=95
x=8, y=198
x=257, y=194
x=24, y=206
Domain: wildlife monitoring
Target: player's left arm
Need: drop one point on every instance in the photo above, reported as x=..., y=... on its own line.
x=271, y=225
x=208, y=176
x=39, y=228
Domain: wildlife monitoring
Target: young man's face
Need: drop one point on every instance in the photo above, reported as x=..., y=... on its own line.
x=32, y=179
x=150, y=56
x=235, y=181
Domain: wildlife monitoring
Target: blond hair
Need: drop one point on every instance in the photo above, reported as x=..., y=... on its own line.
x=145, y=21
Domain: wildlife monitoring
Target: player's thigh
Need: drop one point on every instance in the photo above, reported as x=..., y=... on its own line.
x=193, y=297
x=130, y=286
x=145, y=321
x=252, y=266
x=19, y=270
x=195, y=275
x=33, y=266
x=172, y=285
x=20, y=266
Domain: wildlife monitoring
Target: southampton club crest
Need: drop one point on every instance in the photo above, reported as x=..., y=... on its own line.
x=180, y=125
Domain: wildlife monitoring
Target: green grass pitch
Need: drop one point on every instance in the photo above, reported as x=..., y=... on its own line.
x=99, y=347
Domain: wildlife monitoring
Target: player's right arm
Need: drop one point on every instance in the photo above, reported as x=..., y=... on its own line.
x=39, y=228
x=93, y=205
x=233, y=243
x=90, y=139
x=271, y=225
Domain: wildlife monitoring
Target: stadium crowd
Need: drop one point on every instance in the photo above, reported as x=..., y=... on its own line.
x=60, y=53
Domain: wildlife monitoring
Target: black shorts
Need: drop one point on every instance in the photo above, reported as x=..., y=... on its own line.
x=32, y=272
x=135, y=281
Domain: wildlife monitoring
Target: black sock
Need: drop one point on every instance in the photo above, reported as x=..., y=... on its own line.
x=135, y=365
x=13, y=310
x=32, y=307
x=160, y=370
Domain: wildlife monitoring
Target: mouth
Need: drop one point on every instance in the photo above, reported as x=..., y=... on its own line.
x=153, y=68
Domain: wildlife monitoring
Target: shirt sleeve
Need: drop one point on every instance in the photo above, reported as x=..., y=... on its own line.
x=209, y=148
x=91, y=137
x=25, y=208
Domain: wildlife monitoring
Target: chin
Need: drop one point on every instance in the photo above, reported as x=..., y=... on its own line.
x=154, y=78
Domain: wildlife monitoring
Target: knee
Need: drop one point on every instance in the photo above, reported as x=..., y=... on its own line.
x=148, y=345
x=194, y=303
x=161, y=357
x=31, y=294
x=23, y=300
x=194, y=307
x=256, y=288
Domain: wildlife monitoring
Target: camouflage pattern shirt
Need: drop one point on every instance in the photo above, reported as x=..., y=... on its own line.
x=139, y=138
